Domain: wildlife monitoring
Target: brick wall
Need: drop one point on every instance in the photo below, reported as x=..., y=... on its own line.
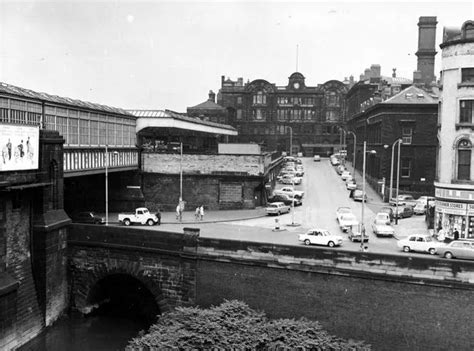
x=203, y=164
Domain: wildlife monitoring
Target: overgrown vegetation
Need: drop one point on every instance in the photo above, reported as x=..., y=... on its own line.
x=234, y=325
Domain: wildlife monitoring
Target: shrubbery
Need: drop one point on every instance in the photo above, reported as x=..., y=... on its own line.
x=234, y=325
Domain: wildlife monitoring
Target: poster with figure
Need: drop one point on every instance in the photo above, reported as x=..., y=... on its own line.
x=19, y=147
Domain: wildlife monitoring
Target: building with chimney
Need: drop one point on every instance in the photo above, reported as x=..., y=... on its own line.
x=296, y=115
x=454, y=186
x=382, y=110
x=209, y=110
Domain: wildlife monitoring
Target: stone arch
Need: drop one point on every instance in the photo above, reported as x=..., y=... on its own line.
x=113, y=267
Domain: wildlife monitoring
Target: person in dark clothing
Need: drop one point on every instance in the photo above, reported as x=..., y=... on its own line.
x=158, y=215
x=455, y=234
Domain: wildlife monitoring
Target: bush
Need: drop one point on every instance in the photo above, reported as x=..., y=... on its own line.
x=234, y=325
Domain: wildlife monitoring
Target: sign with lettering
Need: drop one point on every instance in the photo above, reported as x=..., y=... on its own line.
x=451, y=207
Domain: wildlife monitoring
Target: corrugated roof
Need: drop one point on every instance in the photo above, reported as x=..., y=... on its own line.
x=172, y=114
x=412, y=95
x=22, y=92
x=207, y=105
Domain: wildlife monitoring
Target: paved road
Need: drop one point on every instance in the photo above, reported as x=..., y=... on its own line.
x=324, y=192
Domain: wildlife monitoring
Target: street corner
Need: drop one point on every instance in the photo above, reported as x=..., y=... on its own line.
x=411, y=225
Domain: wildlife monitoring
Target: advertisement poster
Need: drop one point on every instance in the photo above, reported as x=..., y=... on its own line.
x=19, y=146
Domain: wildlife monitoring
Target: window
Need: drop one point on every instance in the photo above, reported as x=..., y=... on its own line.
x=332, y=99
x=466, y=111
x=239, y=114
x=260, y=98
x=405, y=167
x=239, y=99
x=464, y=160
x=467, y=75
x=407, y=135
x=331, y=116
x=258, y=114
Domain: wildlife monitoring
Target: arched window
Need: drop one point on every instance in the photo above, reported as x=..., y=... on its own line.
x=464, y=159
x=260, y=98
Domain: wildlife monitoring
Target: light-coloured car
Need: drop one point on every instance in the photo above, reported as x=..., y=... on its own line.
x=457, y=249
x=359, y=195
x=277, y=208
x=425, y=199
x=320, y=237
x=351, y=185
x=289, y=191
x=420, y=208
x=316, y=158
x=404, y=199
x=419, y=242
x=346, y=218
x=345, y=175
x=381, y=228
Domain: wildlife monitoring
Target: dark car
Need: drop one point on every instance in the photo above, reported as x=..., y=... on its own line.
x=286, y=199
x=87, y=217
x=403, y=211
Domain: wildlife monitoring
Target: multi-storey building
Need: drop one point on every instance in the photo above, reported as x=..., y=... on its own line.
x=454, y=188
x=306, y=118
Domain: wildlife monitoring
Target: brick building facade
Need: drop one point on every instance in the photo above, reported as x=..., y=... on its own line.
x=307, y=117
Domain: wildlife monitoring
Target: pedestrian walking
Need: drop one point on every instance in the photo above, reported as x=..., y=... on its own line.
x=197, y=213
x=456, y=234
x=201, y=212
x=178, y=213
x=158, y=216
x=441, y=235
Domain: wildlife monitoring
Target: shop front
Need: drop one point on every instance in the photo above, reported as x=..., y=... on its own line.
x=454, y=210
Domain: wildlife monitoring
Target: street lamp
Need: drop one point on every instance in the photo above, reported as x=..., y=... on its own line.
x=399, y=142
x=291, y=139
x=354, y=152
x=342, y=140
x=107, y=183
x=181, y=171
x=362, y=231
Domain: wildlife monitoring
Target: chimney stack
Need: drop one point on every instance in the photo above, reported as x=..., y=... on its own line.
x=394, y=72
x=212, y=96
x=375, y=71
x=426, y=49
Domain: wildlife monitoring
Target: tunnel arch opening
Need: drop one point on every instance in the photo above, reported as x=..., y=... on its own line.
x=124, y=296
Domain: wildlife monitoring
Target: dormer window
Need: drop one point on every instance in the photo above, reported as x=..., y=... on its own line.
x=259, y=98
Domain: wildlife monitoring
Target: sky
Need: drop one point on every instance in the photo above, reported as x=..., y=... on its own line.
x=168, y=55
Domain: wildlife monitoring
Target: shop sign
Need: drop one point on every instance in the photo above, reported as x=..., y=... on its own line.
x=470, y=209
x=451, y=207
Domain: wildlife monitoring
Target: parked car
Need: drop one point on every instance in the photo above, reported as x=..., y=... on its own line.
x=380, y=226
x=320, y=237
x=425, y=199
x=355, y=234
x=389, y=211
x=289, y=191
x=287, y=199
x=383, y=216
x=277, y=208
x=345, y=174
x=291, y=179
x=359, y=195
x=419, y=242
x=351, y=185
x=340, y=169
x=349, y=179
x=457, y=249
x=334, y=160
x=346, y=218
x=141, y=216
x=403, y=200
x=403, y=211
x=316, y=158
x=87, y=217
x=420, y=208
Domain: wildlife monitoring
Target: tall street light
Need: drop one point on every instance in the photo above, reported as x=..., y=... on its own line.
x=399, y=142
x=362, y=231
x=107, y=183
x=291, y=139
x=354, y=153
x=181, y=171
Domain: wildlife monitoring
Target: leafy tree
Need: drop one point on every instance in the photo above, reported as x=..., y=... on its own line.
x=234, y=325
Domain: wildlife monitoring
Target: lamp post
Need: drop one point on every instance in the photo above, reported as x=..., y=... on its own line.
x=399, y=142
x=354, y=153
x=362, y=231
x=291, y=139
x=181, y=171
x=107, y=183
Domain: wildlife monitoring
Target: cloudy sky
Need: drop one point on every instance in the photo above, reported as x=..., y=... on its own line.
x=168, y=55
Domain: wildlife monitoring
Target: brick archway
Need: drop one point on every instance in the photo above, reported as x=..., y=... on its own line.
x=88, y=281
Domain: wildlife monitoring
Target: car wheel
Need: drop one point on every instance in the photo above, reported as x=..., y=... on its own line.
x=406, y=249
x=150, y=222
x=432, y=251
x=331, y=244
x=307, y=242
x=448, y=255
x=126, y=221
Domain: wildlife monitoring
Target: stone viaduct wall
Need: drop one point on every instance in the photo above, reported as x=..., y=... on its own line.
x=394, y=302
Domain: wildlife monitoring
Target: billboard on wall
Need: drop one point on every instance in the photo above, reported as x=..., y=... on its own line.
x=19, y=147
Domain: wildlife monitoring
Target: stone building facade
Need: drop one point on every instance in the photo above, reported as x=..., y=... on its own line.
x=454, y=188
x=296, y=115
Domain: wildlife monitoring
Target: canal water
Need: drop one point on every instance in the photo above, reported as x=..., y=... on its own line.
x=87, y=333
